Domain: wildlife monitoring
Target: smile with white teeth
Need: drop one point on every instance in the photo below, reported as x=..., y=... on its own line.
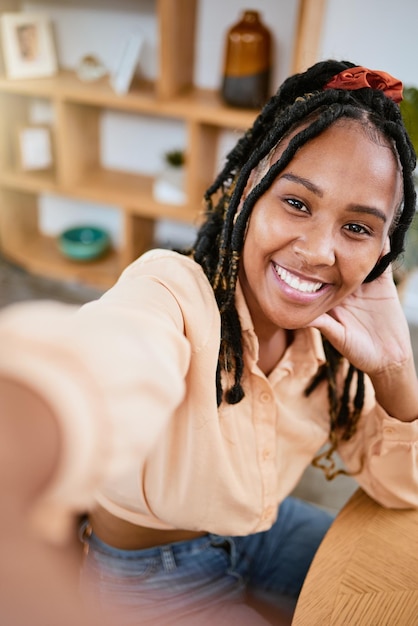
x=296, y=283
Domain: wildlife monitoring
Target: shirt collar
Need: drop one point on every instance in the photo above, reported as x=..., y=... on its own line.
x=306, y=349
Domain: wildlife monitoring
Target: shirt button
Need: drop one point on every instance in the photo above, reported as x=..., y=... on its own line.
x=265, y=397
x=266, y=454
x=388, y=430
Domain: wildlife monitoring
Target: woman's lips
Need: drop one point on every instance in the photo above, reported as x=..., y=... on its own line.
x=293, y=281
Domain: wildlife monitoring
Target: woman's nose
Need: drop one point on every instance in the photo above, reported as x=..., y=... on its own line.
x=316, y=246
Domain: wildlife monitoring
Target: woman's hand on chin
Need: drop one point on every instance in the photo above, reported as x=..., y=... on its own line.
x=369, y=327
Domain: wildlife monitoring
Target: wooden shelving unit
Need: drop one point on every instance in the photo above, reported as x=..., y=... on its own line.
x=78, y=172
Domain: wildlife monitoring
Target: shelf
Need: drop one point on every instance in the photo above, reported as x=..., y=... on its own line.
x=23, y=243
x=201, y=105
x=77, y=108
x=132, y=191
x=40, y=255
x=78, y=172
x=37, y=181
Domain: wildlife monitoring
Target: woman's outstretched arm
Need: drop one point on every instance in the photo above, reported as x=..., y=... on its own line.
x=38, y=579
x=29, y=443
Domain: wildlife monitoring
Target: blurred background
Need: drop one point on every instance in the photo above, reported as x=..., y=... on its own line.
x=100, y=100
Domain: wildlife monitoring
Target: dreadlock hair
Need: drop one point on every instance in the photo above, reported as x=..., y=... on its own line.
x=301, y=105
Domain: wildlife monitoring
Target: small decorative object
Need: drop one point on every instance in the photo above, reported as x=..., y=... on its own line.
x=169, y=184
x=28, y=45
x=247, y=64
x=90, y=69
x=34, y=148
x=84, y=243
x=122, y=78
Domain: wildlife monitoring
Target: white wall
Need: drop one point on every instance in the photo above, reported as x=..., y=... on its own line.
x=380, y=34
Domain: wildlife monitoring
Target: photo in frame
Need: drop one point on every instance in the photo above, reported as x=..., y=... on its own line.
x=34, y=148
x=27, y=45
x=121, y=79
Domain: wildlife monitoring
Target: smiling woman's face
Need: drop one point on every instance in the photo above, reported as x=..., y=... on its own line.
x=320, y=228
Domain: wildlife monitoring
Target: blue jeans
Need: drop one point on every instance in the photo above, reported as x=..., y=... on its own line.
x=207, y=580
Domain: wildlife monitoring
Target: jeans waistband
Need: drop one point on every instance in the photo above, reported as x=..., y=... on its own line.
x=88, y=537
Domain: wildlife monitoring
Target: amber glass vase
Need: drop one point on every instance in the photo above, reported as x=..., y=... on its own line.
x=247, y=64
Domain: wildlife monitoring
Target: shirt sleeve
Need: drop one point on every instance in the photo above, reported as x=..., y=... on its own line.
x=113, y=372
x=383, y=456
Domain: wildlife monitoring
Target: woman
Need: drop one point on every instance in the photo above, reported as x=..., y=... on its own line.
x=180, y=409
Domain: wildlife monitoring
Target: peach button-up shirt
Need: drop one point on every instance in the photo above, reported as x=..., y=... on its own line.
x=131, y=378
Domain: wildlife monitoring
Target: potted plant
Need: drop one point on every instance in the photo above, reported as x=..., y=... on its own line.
x=409, y=264
x=169, y=183
x=409, y=112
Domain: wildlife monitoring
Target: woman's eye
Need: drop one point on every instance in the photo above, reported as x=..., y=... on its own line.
x=357, y=229
x=297, y=204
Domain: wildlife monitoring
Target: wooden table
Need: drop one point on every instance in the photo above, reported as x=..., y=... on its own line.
x=365, y=572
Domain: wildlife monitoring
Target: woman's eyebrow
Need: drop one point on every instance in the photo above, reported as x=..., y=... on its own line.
x=317, y=191
x=303, y=181
x=370, y=210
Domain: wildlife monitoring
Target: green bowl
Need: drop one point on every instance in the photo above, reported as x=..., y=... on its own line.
x=84, y=243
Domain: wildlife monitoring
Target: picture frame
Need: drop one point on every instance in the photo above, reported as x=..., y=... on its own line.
x=27, y=45
x=34, y=147
x=121, y=79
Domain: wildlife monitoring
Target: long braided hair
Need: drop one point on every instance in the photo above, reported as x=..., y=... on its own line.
x=300, y=102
